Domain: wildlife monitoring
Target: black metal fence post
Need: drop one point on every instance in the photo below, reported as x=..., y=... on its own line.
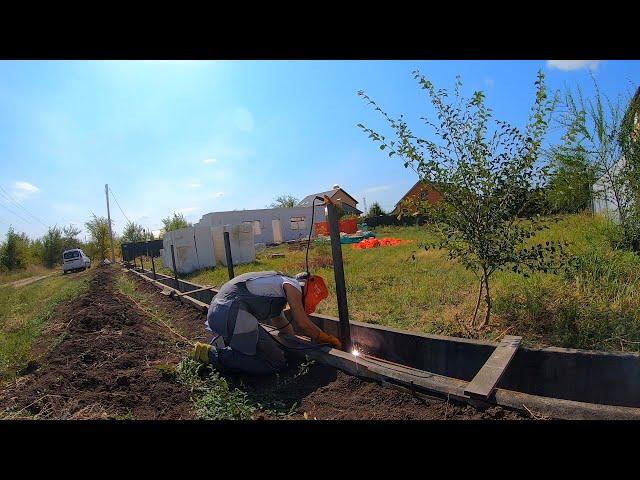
x=153, y=267
x=338, y=271
x=175, y=272
x=227, y=248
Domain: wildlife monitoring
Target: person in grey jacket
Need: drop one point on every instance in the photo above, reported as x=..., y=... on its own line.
x=242, y=344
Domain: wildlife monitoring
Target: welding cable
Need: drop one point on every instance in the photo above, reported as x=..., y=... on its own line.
x=306, y=259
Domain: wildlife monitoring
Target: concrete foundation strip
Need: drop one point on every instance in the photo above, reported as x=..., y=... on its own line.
x=410, y=378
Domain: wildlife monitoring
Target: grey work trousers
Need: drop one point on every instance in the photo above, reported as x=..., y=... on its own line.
x=269, y=357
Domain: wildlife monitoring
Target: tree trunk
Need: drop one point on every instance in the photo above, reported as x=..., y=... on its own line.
x=487, y=298
x=475, y=312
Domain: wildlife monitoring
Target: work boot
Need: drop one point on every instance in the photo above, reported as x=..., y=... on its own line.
x=201, y=352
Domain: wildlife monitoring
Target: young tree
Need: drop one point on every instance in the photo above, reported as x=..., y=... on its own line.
x=629, y=140
x=134, y=232
x=70, y=237
x=52, y=247
x=284, y=201
x=175, y=222
x=375, y=210
x=15, y=251
x=486, y=172
x=570, y=182
x=599, y=130
x=36, y=249
x=98, y=228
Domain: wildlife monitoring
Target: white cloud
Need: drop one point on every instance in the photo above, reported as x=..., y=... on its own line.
x=568, y=65
x=488, y=81
x=219, y=194
x=207, y=161
x=243, y=119
x=379, y=188
x=22, y=190
x=195, y=185
x=26, y=187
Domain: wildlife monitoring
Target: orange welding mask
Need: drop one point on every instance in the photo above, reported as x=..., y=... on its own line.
x=315, y=290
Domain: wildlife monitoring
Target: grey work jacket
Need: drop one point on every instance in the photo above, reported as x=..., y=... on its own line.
x=234, y=312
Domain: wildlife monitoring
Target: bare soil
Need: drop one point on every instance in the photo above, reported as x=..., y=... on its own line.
x=107, y=364
x=99, y=359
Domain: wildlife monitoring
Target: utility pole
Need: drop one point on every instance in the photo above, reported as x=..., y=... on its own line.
x=113, y=254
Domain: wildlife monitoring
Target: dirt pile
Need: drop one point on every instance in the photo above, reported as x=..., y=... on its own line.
x=103, y=359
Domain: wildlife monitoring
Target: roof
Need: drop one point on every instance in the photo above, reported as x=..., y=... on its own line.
x=408, y=191
x=424, y=182
x=306, y=201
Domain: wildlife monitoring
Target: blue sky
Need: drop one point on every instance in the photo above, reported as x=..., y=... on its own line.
x=197, y=137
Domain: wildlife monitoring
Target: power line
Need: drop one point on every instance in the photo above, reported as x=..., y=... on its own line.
x=117, y=203
x=19, y=216
x=15, y=202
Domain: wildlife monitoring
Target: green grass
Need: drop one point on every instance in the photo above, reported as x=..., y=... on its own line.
x=23, y=313
x=211, y=395
x=30, y=271
x=594, y=305
x=214, y=398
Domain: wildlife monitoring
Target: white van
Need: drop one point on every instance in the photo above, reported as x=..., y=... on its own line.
x=74, y=260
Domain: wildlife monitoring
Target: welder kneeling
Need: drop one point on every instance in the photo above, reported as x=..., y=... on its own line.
x=242, y=344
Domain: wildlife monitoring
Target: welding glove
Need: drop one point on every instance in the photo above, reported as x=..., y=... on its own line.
x=201, y=352
x=326, y=338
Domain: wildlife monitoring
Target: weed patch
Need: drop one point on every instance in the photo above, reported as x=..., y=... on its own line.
x=211, y=395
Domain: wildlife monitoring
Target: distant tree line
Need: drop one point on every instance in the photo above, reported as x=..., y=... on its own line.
x=18, y=251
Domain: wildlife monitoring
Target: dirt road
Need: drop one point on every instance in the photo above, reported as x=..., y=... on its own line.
x=27, y=281
x=102, y=357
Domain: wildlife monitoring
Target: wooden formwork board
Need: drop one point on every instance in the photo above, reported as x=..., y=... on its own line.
x=486, y=380
x=420, y=381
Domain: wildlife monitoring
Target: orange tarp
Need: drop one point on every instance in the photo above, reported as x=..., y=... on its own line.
x=374, y=242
